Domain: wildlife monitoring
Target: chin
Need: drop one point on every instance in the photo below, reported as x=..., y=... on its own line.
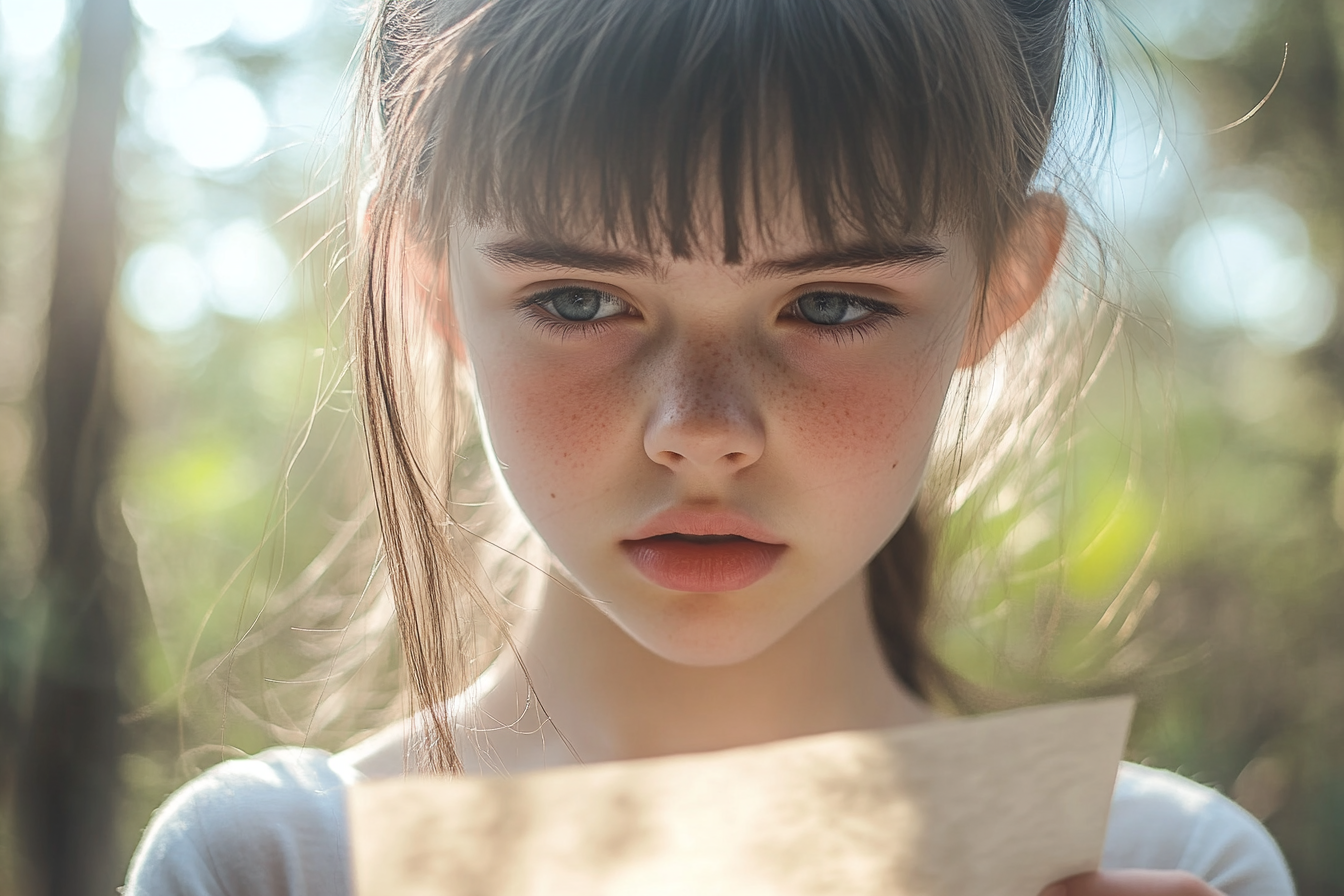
x=705, y=629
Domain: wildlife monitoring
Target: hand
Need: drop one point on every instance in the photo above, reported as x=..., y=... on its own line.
x=1131, y=883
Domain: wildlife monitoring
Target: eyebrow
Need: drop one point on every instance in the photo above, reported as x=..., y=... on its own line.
x=522, y=254
x=531, y=255
x=862, y=256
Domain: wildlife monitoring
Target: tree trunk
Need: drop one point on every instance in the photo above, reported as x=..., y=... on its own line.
x=68, y=787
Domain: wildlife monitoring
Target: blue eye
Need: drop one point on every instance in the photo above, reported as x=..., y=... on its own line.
x=829, y=308
x=578, y=304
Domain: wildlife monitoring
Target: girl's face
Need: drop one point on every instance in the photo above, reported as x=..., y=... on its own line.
x=712, y=450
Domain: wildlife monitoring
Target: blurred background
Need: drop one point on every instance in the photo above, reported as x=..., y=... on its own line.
x=185, y=542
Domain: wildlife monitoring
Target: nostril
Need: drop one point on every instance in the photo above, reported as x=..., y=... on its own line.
x=723, y=441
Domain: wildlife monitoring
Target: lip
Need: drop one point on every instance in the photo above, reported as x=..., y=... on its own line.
x=744, y=558
x=685, y=521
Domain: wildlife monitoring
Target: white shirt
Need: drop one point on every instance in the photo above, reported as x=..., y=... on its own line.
x=274, y=825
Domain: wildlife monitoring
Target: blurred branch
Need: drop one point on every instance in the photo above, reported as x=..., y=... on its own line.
x=68, y=786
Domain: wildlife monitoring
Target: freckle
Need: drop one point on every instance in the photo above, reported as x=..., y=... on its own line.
x=553, y=493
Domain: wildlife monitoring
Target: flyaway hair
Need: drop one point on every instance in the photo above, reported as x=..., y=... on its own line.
x=679, y=127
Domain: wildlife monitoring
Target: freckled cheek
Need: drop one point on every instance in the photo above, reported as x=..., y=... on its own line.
x=865, y=419
x=557, y=425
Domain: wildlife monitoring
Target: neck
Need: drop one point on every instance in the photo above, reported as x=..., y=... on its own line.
x=602, y=696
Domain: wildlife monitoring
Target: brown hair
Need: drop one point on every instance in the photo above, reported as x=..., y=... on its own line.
x=628, y=120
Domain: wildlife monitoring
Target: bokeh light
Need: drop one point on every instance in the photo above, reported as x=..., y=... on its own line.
x=1251, y=268
x=1198, y=29
x=249, y=273
x=214, y=122
x=1144, y=174
x=30, y=40
x=30, y=29
x=164, y=288
x=184, y=23
x=266, y=22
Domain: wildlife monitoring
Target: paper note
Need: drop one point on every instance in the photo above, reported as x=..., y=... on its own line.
x=995, y=805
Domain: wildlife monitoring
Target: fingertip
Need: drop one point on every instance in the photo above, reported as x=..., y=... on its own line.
x=1077, y=885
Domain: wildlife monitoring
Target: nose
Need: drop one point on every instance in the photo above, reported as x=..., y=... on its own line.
x=706, y=418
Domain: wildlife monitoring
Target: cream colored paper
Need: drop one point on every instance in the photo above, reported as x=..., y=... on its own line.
x=996, y=805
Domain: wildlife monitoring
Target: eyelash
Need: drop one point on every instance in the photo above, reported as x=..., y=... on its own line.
x=882, y=315
x=546, y=322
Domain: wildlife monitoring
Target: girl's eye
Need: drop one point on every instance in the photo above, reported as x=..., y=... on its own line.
x=578, y=304
x=829, y=309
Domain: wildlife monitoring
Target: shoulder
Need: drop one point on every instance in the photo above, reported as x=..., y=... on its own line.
x=1161, y=820
x=274, y=823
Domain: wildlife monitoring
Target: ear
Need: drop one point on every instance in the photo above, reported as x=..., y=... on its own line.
x=424, y=271
x=1019, y=274
x=427, y=277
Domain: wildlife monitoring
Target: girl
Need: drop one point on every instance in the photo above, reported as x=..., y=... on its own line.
x=707, y=270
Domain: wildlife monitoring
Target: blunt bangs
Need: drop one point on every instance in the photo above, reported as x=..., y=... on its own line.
x=658, y=121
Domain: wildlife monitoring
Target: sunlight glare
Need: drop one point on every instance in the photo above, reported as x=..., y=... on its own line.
x=248, y=271
x=31, y=30
x=214, y=122
x=264, y=22
x=163, y=288
x=185, y=23
x=1252, y=269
